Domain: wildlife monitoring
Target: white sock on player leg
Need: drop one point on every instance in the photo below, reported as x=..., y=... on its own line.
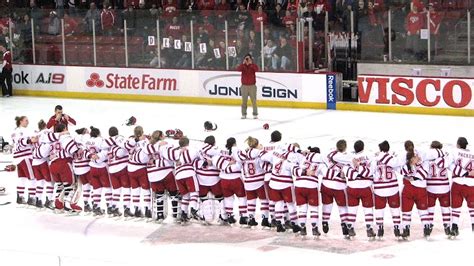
x=379, y=213
x=424, y=217
x=446, y=212
x=395, y=215
x=369, y=216
x=351, y=215
x=292, y=212
x=455, y=214
x=116, y=196
x=280, y=211
x=406, y=220
x=343, y=214
x=327, y=208
x=314, y=214
x=302, y=213
x=229, y=205
x=264, y=207
x=243, y=206
x=251, y=207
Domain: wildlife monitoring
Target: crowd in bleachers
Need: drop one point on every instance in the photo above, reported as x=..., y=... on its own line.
x=244, y=18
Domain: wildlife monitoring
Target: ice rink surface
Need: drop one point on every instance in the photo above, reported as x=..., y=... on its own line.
x=31, y=237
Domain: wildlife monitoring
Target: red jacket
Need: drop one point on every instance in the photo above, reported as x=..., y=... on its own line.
x=52, y=121
x=415, y=22
x=7, y=59
x=107, y=18
x=248, y=73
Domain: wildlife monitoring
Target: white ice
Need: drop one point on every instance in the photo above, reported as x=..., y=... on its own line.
x=30, y=237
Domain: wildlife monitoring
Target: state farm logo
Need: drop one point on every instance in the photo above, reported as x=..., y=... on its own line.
x=130, y=81
x=95, y=81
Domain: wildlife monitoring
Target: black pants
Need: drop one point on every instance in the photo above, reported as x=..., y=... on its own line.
x=6, y=82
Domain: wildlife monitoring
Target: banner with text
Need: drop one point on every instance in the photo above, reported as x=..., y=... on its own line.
x=433, y=92
x=164, y=82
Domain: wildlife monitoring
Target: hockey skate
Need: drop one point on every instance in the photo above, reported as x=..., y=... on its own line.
x=160, y=217
x=222, y=221
x=183, y=218
x=454, y=231
x=110, y=210
x=252, y=222
x=97, y=211
x=325, y=227
x=138, y=213
x=280, y=228
x=31, y=202
x=350, y=231
x=244, y=221
x=396, y=231
x=231, y=219
x=345, y=230
x=265, y=223
x=427, y=231
x=296, y=228
x=273, y=223
x=87, y=208
x=315, y=231
x=370, y=233
x=116, y=212
x=39, y=203
x=195, y=214
x=380, y=232
x=49, y=204
x=303, y=232
x=406, y=232
x=447, y=230
x=148, y=215
x=127, y=214
x=20, y=200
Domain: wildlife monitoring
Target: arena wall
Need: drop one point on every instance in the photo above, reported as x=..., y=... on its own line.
x=399, y=94
x=167, y=85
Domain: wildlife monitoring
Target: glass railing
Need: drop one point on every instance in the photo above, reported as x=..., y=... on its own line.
x=302, y=41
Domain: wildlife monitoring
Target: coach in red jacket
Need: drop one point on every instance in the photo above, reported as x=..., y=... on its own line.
x=60, y=117
x=248, y=88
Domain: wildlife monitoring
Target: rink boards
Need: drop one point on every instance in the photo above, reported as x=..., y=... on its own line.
x=296, y=90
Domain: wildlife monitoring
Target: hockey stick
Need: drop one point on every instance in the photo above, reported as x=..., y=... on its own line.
x=5, y=203
x=6, y=161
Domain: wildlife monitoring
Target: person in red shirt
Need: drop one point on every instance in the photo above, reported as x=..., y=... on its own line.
x=206, y=7
x=414, y=23
x=60, y=117
x=258, y=17
x=170, y=9
x=6, y=76
x=249, y=87
x=107, y=19
x=175, y=29
x=289, y=19
x=434, y=24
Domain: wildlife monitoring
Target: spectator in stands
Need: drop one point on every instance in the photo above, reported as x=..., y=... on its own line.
x=59, y=8
x=130, y=16
x=92, y=18
x=198, y=55
x=154, y=11
x=320, y=7
x=70, y=24
x=244, y=18
x=168, y=54
x=414, y=23
x=155, y=60
x=185, y=56
x=281, y=56
x=253, y=4
x=206, y=7
x=240, y=52
x=174, y=29
x=208, y=27
x=144, y=21
x=36, y=14
x=435, y=23
x=53, y=24
x=107, y=19
x=170, y=9
x=259, y=17
x=268, y=51
x=289, y=19
x=202, y=35
x=222, y=10
x=253, y=44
